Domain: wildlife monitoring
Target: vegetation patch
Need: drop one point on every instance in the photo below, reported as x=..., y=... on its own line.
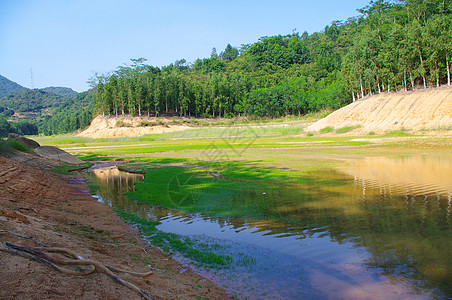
x=200, y=252
x=8, y=146
x=347, y=129
x=401, y=132
x=327, y=129
x=66, y=169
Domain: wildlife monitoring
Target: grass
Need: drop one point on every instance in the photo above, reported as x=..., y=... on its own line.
x=10, y=146
x=65, y=168
x=327, y=129
x=401, y=132
x=199, y=252
x=347, y=129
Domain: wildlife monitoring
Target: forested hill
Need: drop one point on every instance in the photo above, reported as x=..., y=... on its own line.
x=7, y=87
x=73, y=114
x=61, y=91
x=48, y=111
x=31, y=100
x=390, y=46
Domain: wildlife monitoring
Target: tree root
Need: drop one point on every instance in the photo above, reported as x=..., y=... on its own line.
x=69, y=258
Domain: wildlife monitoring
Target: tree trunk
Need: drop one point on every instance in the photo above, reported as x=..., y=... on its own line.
x=353, y=96
x=361, y=84
x=422, y=66
x=448, y=69
x=412, y=81
x=437, y=73
x=404, y=79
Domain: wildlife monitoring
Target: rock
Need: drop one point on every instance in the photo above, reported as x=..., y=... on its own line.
x=58, y=155
x=26, y=141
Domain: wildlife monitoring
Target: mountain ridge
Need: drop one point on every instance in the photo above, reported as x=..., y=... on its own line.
x=8, y=86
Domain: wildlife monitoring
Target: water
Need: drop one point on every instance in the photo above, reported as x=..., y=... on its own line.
x=378, y=228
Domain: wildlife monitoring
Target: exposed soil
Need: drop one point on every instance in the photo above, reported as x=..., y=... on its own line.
x=57, y=211
x=420, y=110
x=109, y=126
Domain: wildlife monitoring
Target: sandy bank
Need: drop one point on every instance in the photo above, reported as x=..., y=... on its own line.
x=107, y=127
x=57, y=211
x=419, y=110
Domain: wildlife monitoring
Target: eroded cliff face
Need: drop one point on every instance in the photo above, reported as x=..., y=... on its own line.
x=105, y=127
x=419, y=110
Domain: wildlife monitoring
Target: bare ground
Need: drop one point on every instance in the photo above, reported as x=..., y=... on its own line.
x=420, y=110
x=57, y=211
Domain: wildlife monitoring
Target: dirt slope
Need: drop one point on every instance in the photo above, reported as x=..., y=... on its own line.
x=420, y=110
x=105, y=127
x=58, y=212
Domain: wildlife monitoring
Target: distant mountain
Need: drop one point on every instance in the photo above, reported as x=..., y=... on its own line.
x=7, y=87
x=61, y=91
x=31, y=100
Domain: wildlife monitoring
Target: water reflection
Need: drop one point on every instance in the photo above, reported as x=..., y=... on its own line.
x=407, y=175
x=382, y=229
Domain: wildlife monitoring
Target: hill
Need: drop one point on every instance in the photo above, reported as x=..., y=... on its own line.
x=31, y=100
x=71, y=115
x=7, y=87
x=429, y=109
x=60, y=91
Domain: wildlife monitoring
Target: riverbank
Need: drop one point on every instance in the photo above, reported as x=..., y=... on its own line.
x=38, y=206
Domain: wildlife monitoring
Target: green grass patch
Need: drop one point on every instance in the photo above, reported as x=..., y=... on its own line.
x=347, y=129
x=65, y=168
x=327, y=129
x=200, y=252
x=217, y=188
x=9, y=146
x=401, y=132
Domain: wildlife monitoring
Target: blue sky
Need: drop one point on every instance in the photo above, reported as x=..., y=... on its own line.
x=64, y=42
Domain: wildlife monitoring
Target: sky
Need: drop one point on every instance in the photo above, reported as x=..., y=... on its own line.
x=64, y=42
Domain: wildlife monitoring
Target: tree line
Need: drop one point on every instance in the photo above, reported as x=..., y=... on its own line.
x=390, y=46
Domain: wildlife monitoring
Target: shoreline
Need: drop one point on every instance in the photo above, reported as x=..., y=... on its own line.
x=58, y=211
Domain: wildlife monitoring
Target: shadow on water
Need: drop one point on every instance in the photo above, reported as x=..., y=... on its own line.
x=380, y=226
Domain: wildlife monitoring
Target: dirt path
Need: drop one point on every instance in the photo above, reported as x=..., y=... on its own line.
x=57, y=211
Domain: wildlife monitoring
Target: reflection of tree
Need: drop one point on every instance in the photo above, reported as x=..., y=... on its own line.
x=405, y=235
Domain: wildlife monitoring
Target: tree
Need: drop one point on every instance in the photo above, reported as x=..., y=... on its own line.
x=5, y=127
x=229, y=54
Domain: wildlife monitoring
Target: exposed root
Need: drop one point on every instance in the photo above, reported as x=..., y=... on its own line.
x=68, y=258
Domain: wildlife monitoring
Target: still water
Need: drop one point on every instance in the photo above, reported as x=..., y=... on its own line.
x=380, y=228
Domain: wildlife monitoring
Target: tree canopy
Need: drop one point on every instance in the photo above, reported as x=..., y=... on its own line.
x=391, y=46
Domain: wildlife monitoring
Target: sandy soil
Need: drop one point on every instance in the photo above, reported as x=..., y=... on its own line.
x=57, y=211
x=429, y=109
x=107, y=127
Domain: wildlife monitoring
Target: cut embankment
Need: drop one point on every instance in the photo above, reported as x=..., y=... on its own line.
x=420, y=110
x=109, y=126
